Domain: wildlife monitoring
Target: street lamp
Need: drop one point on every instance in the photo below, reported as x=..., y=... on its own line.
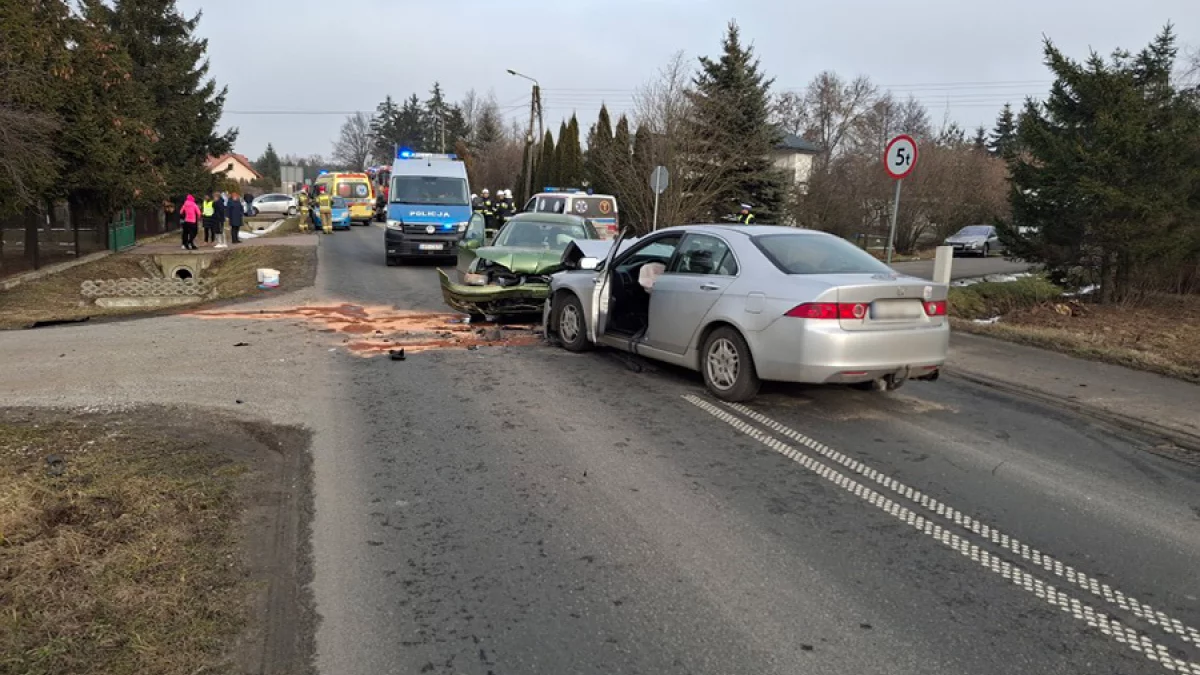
x=535, y=108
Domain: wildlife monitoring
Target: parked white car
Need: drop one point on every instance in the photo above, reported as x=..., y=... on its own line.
x=275, y=203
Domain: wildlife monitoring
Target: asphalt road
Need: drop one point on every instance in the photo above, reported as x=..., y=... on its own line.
x=527, y=510
x=964, y=268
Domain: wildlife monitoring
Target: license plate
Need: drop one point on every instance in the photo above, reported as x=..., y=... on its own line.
x=429, y=247
x=891, y=310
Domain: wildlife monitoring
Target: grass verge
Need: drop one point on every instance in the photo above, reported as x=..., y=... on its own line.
x=1161, y=335
x=988, y=299
x=57, y=297
x=125, y=562
x=290, y=226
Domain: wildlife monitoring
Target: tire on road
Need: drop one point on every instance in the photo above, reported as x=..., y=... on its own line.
x=728, y=367
x=570, y=324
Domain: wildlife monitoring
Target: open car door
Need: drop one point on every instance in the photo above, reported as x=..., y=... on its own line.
x=602, y=291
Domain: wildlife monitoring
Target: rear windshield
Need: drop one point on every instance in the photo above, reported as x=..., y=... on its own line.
x=430, y=190
x=338, y=203
x=354, y=189
x=975, y=231
x=594, y=207
x=814, y=254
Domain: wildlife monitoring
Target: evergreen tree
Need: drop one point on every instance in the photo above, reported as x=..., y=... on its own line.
x=732, y=126
x=410, y=129
x=33, y=86
x=1109, y=172
x=622, y=142
x=106, y=143
x=569, y=158
x=559, y=168
x=1003, y=141
x=643, y=151
x=269, y=165
x=489, y=129
x=543, y=170
x=980, y=142
x=383, y=130
x=599, y=141
x=169, y=64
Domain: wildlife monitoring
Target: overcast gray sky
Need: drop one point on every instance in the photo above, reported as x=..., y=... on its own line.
x=318, y=55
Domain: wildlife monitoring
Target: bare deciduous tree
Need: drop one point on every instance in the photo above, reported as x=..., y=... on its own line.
x=835, y=107
x=354, y=142
x=662, y=108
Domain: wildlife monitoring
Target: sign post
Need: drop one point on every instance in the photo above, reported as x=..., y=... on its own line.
x=899, y=159
x=659, y=179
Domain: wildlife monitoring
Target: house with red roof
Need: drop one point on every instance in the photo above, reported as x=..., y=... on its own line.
x=233, y=166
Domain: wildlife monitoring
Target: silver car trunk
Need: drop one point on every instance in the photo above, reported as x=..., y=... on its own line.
x=888, y=303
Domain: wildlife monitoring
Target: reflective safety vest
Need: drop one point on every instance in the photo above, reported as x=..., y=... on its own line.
x=746, y=218
x=208, y=209
x=325, y=202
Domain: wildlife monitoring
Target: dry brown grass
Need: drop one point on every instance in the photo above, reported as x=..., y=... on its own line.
x=126, y=563
x=1161, y=335
x=57, y=296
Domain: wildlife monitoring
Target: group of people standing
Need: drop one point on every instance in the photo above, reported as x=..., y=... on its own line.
x=212, y=213
x=495, y=211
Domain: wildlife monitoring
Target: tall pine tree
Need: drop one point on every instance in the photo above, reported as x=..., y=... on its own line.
x=410, y=128
x=1003, y=141
x=543, y=170
x=599, y=142
x=980, y=141
x=731, y=124
x=559, y=169
x=1109, y=171
x=384, y=131
x=622, y=144
x=269, y=165
x=170, y=63
x=569, y=156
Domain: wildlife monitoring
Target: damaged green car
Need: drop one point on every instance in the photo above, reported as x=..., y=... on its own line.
x=511, y=275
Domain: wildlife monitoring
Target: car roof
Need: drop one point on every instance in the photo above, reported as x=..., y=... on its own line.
x=559, y=218
x=748, y=230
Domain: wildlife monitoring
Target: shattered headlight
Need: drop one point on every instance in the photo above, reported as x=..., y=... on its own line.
x=472, y=279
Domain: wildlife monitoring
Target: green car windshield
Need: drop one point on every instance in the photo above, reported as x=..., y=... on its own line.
x=534, y=234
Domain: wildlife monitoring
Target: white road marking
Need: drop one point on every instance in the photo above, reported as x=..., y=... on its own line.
x=1097, y=588
x=1107, y=625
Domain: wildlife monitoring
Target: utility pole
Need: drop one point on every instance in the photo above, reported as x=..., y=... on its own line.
x=531, y=143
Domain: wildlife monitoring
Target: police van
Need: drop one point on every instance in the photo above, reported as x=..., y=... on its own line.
x=600, y=209
x=429, y=204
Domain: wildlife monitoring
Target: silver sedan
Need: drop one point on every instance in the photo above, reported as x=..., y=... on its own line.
x=742, y=304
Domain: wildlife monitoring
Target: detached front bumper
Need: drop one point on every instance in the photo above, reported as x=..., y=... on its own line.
x=494, y=299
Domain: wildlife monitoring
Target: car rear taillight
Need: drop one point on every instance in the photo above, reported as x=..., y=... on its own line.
x=829, y=310
x=935, y=307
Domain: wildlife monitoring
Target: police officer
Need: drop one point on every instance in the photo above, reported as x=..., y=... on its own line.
x=746, y=217
x=325, y=202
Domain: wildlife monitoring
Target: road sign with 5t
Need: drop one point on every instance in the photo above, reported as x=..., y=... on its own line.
x=900, y=157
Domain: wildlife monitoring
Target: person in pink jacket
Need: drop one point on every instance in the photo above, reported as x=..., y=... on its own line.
x=189, y=219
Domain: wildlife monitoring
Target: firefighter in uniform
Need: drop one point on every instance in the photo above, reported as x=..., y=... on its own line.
x=302, y=199
x=746, y=217
x=488, y=208
x=325, y=202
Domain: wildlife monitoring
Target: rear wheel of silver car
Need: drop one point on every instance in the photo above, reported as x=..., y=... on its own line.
x=571, y=327
x=727, y=366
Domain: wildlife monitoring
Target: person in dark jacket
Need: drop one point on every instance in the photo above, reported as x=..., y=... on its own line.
x=236, y=212
x=218, y=220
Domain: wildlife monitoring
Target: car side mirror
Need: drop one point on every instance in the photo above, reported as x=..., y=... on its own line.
x=589, y=263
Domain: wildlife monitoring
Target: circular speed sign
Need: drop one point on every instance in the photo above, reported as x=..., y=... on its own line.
x=900, y=156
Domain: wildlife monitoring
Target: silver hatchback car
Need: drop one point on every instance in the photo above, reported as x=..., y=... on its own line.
x=742, y=304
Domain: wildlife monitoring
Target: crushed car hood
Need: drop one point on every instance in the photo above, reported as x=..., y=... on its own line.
x=522, y=260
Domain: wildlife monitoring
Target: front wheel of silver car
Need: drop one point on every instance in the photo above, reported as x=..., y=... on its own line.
x=727, y=366
x=571, y=326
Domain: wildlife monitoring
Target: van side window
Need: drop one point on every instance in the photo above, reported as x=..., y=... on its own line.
x=551, y=204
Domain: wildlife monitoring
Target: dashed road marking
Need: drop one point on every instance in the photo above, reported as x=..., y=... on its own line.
x=1106, y=624
x=1073, y=576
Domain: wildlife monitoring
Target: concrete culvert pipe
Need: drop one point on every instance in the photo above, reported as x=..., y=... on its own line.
x=183, y=273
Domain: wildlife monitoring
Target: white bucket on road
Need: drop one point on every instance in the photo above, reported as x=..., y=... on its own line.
x=268, y=277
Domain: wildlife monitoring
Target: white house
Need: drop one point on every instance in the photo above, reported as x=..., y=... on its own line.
x=794, y=156
x=234, y=166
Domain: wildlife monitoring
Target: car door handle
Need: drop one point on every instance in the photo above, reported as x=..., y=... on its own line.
x=709, y=287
